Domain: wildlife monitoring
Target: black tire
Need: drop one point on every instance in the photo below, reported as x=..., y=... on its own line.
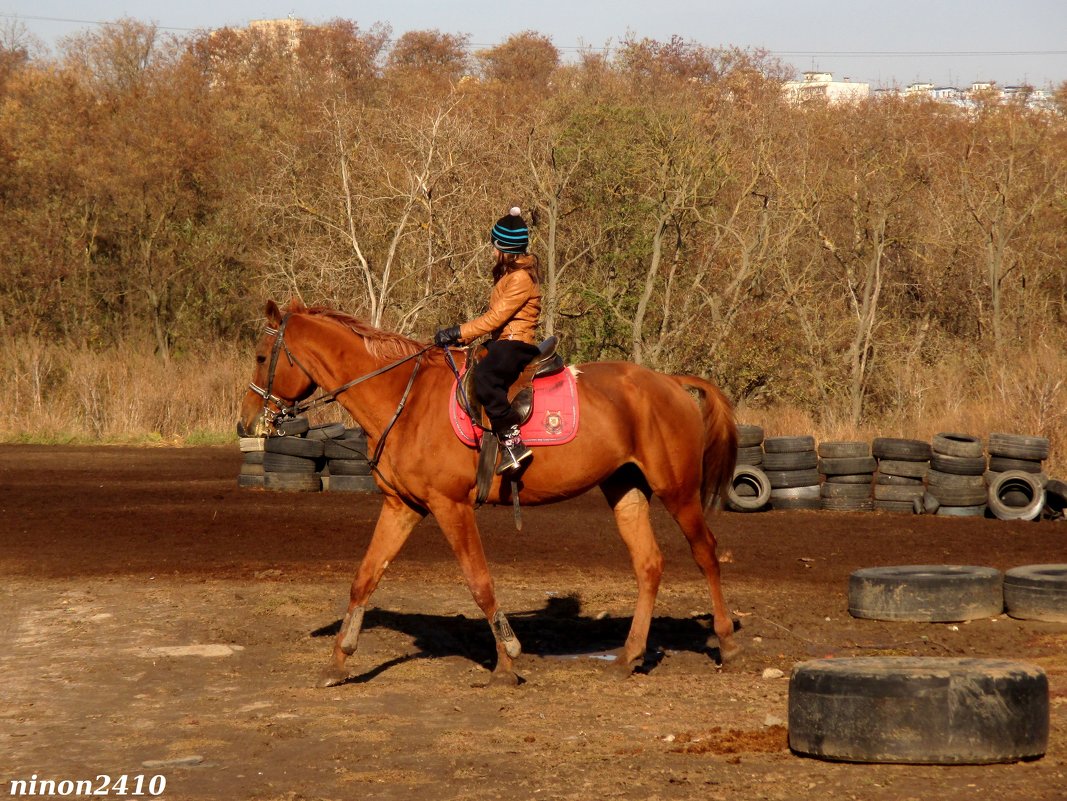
x=978, y=510
x=858, y=478
x=930, y=503
x=790, y=460
x=749, y=435
x=283, y=463
x=292, y=482
x=808, y=504
x=834, y=490
x=785, y=479
x=1056, y=495
x=293, y=427
x=788, y=444
x=847, y=505
x=889, y=492
x=1037, y=592
x=896, y=467
x=998, y=464
x=751, y=454
x=958, y=465
x=896, y=507
x=936, y=478
x=294, y=446
x=326, y=431
x=251, y=469
x=253, y=457
x=919, y=710
x=809, y=492
x=1016, y=481
x=849, y=465
x=959, y=496
x=351, y=484
x=925, y=593
x=349, y=467
x=250, y=482
x=904, y=450
x=1018, y=446
x=757, y=488
x=844, y=450
x=898, y=481
x=250, y=444
x=346, y=448
x=950, y=444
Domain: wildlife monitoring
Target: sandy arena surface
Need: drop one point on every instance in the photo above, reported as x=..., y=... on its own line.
x=157, y=620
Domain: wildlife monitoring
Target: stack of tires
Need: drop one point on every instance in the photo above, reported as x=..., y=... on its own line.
x=293, y=463
x=902, y=468
x=750, y=490
x=847, y=469
x=1015, y=477
x=956, y=478
x=251, y=474
x=790, y=465
x=347, y=467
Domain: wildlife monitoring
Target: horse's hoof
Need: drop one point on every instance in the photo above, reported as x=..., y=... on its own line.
x=332, y=676
x=620, y=667
x=504, y=678
x=729, y=651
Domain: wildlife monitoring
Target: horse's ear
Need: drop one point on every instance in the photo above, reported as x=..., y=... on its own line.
x=296, y=305
x=273, y=314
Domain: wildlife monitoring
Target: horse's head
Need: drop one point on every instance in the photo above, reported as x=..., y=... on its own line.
x=278, y=381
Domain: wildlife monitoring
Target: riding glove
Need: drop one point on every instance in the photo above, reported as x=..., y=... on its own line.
x=447, y=336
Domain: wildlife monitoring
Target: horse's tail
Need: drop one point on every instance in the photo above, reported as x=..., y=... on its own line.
x=720, y=437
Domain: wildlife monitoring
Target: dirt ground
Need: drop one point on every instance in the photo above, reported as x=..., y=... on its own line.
x=157, y=620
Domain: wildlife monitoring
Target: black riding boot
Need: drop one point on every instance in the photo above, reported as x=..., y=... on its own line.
x=512, y=450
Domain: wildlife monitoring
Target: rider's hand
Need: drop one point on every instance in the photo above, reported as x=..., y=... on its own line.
x=447, y=336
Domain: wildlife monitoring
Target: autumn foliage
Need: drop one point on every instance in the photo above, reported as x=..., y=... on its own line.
x=892, y=266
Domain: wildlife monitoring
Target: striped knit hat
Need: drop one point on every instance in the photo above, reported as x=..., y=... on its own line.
x=510, y=234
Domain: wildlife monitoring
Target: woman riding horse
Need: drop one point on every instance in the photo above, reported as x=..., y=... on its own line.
x=514, y=309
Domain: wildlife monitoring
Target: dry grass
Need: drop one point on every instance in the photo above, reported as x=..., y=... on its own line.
x=59, y=393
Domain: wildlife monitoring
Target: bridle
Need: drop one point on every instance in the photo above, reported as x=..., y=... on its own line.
x=286, y=410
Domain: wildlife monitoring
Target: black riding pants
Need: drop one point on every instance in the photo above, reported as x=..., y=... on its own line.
x=494, y=375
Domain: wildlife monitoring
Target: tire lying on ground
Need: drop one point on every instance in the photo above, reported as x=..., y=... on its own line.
x=343, y=483
x=750, y=489
x=1037, y=592
x=292, y=482
x=1004, y=494
x=925, y=593
x=919, y=710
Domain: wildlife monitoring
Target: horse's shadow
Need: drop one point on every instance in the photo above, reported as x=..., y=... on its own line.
x=558, y=630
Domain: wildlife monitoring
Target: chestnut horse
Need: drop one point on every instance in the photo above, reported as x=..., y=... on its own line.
x=641, y=433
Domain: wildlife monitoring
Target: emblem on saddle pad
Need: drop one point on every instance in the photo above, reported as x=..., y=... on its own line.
x=553, y=422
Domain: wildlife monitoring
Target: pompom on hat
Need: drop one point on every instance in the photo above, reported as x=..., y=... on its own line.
x=510, y=234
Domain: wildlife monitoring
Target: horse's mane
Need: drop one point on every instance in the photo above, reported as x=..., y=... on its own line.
x=380, y=344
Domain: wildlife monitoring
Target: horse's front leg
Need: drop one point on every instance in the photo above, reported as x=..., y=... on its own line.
x=395, y=523
x=458, y=524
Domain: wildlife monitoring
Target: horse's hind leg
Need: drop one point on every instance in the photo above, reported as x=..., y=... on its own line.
x=690, y=516
x=629, y=501
x=395, y=523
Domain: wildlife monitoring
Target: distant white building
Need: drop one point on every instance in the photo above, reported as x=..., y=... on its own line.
x=821, y=85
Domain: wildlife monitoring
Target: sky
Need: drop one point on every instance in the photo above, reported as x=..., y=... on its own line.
x=882, y=42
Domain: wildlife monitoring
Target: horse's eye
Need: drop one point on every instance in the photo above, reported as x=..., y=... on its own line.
x=261, y=359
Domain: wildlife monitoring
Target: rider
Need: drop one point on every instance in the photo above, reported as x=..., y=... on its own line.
x=514, y=309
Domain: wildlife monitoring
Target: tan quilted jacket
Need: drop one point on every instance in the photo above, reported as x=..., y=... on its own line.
x=514, y=309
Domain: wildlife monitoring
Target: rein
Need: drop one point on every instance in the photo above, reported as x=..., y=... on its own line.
x=291, y=410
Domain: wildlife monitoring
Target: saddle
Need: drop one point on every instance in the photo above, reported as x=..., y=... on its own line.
x=521, y=393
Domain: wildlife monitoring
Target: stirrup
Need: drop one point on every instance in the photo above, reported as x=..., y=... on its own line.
x=513, y=457
x=513, y=451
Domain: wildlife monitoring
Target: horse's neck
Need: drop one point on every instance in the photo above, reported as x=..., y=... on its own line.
x=338, y=355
